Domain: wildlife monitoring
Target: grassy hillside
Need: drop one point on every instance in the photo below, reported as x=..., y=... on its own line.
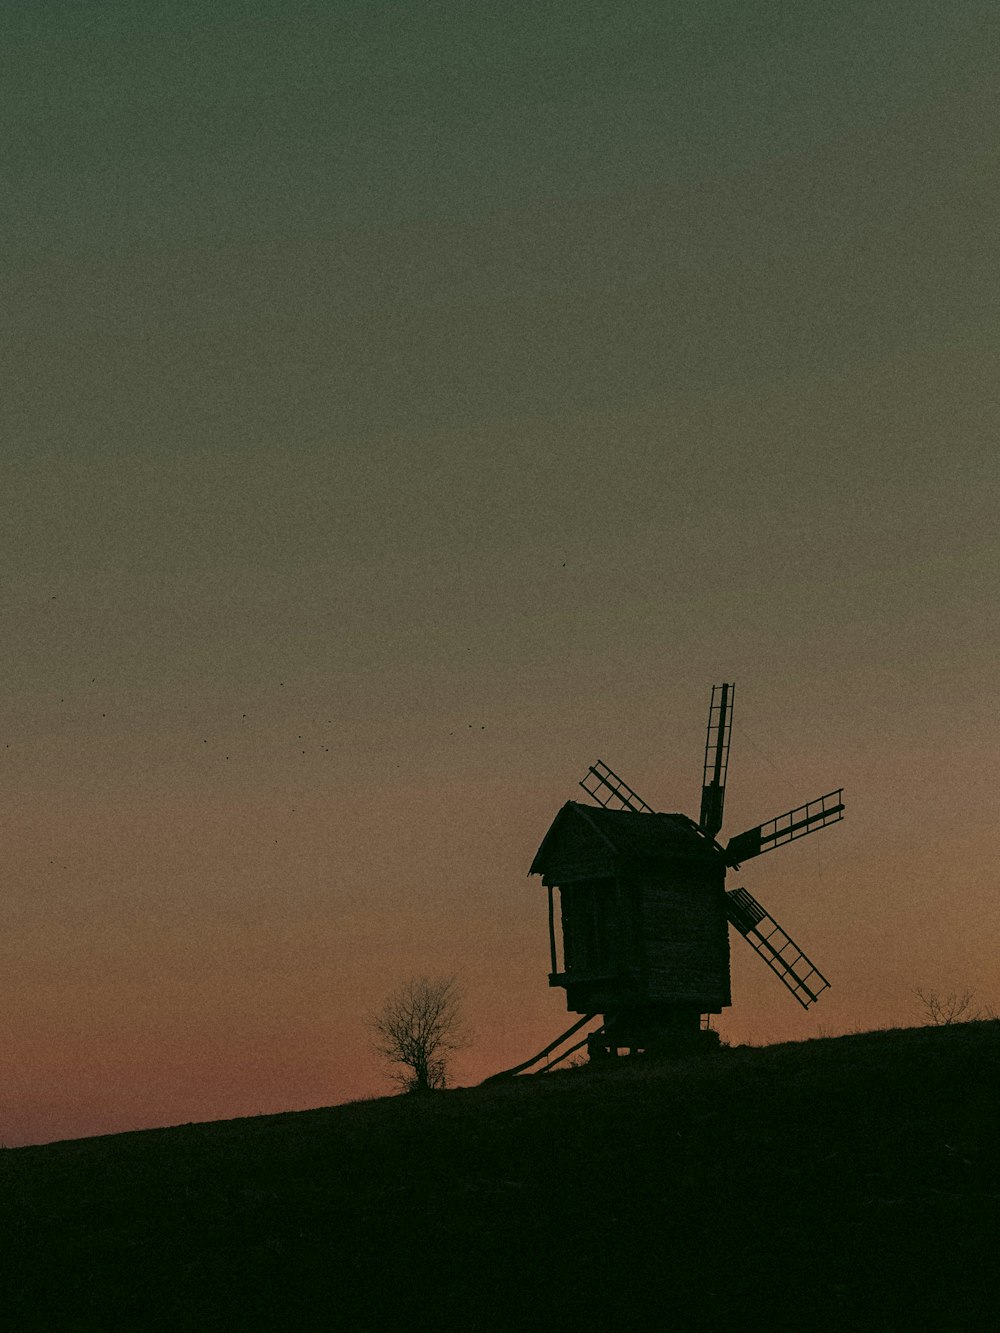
x=835, y=1184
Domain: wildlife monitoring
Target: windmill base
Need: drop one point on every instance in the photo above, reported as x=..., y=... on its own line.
x=652, y=1031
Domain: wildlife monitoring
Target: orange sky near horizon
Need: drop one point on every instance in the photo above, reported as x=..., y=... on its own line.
x=408, y=409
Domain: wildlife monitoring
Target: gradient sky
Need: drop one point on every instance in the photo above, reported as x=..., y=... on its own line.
x=406, y=404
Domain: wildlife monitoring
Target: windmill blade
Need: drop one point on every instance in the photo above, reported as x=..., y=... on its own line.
x=607, y=787
x=828, y=809
x=713, y=786
x=777, y=948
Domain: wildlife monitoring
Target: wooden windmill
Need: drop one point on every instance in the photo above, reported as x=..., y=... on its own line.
x=643, y=907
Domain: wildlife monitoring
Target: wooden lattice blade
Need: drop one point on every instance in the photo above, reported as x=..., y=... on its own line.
x=828, y=809
x=779, y=951
x=609, y=790
x=713, y=790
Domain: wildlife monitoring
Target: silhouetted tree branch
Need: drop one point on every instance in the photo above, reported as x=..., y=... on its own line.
x=416, y=1031
x=955, y=1007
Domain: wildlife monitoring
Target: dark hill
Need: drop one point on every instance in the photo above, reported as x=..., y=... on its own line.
x=841, y=1184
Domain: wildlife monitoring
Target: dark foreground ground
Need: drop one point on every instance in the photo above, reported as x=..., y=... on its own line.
x=847, y=1183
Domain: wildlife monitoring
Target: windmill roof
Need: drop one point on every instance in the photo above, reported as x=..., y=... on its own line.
x=628, y=835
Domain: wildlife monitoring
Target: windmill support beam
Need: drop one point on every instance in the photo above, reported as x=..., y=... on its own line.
x=552, y=931
x=564, y=1055
x=526, y=1064
x=653, y=1029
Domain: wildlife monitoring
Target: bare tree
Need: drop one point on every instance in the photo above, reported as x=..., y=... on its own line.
x=416, y=1031
x=955, y=1007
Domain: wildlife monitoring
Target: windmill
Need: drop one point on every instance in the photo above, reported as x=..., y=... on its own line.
x=644, y=912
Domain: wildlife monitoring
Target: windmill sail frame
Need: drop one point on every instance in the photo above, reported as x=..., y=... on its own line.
x=787, y=961
x=717, y=738
x=607, y=786
x=796, y=823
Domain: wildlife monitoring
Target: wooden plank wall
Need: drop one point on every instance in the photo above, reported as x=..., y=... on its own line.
x=685, y=939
